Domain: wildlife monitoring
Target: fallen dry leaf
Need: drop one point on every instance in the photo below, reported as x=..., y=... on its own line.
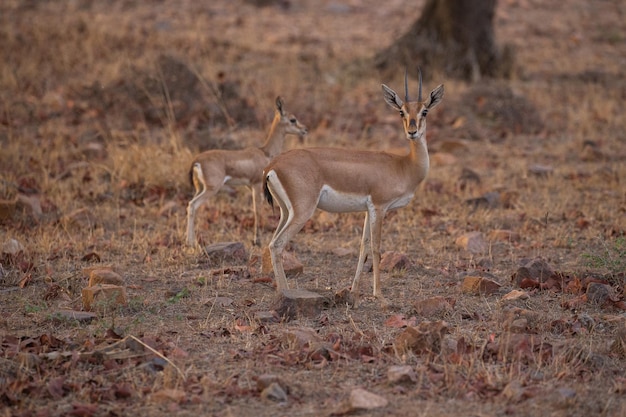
x=83, y=410
x=169, y=395
x=242, y=326
x=399, y=321
x=55, y=387
x=515, y=295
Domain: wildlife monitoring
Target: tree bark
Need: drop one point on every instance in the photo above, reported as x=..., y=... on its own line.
x=455, y=37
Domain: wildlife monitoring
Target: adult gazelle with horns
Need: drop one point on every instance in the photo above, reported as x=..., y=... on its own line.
x=346, y=180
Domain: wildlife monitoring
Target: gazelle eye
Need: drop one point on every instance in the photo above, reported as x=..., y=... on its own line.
x=401, y=113
x=293, y=120
x=424, y=113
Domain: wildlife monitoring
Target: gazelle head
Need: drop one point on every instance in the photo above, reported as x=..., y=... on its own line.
x=289, y=121
x=413, y=113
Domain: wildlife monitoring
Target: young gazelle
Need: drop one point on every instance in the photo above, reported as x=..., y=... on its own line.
x=212, y=169
x=342, y=180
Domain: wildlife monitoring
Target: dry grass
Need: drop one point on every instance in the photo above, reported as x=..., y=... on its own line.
x=92, y=122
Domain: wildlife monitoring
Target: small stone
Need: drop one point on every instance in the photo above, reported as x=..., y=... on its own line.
x=293, y=303
x=227, y=253
x=274, y=392
x=424, y=338
x=106, y=293
x=532, y=273
x=80, y=316
x=299, y=337
x=103, y=275
x=12, y=247
x=267, y=317
x=452, y=346
x=473, y=242
x=433, y=306
x=598, y=293
x=394, y=261
x=223, y=301
x=398, y=374
x=361, y=399
x=479, y=286
x=487, y=200
x=518, y=326
x=345, y=296
x=265, y=380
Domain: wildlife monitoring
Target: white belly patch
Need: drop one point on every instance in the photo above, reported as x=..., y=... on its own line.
x=228, y=180
x=401, y=202
x=337, y=202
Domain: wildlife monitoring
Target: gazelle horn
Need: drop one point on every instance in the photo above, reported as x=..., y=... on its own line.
x=419, y=95
x=406, y=86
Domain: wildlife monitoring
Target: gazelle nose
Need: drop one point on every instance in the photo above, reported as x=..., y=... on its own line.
x=412, y=128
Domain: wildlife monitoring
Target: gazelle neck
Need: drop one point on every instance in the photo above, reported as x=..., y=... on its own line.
x=418, y=154
x=275, y=138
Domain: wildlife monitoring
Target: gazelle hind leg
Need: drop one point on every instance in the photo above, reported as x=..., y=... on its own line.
x=289, y=224
x=365, y=241
x=203, y=193
x=195, y=203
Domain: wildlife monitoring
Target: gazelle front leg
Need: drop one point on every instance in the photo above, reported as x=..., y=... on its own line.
x=376, y=221
x=372, y=232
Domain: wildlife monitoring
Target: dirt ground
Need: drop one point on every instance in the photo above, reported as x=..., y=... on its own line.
x=104, y=104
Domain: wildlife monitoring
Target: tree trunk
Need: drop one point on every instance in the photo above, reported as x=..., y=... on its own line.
x=454, y=37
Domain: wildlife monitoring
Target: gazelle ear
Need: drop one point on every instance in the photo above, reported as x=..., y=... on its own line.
x=435, y=97
x=279, y=104
x=391, y=97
